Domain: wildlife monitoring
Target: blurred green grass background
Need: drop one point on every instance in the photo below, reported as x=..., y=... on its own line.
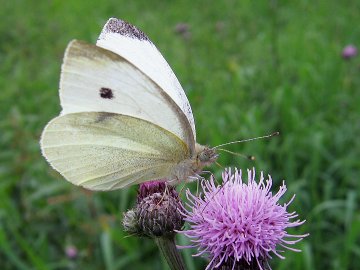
x=248, y=67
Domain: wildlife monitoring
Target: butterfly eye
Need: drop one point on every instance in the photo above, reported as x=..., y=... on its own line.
x=208, y=155
x=204, y=156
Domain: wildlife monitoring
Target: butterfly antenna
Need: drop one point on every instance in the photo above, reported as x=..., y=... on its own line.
x=237, y=154
x=249, y=140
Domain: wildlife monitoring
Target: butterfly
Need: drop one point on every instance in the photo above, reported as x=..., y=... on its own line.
x=125, y=118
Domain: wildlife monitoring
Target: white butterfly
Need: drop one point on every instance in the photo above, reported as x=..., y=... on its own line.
x=125, y=118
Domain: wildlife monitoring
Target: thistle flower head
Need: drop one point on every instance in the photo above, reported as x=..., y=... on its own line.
x=157, y=212
x=183, y=29
x=71, y=252
x=238, y=222
x=350, y=51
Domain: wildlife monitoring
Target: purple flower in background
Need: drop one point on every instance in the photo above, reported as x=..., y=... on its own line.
x=71, y=252
x=349, y=52
x=183, y=29
x=238, y=223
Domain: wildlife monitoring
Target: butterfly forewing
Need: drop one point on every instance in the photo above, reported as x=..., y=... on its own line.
x=132, y=44
x=95, y=79
x=106, y=151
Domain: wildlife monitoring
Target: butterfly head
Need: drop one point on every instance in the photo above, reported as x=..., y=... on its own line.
x=205, y=155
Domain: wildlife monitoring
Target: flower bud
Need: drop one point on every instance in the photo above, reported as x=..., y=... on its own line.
x=157, y=211
x=130, y=222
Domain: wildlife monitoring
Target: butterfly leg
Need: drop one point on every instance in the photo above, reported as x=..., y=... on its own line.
x=182, y=189
x=165, y=192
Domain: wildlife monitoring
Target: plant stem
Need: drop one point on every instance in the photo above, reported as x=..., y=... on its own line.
x=168, y=248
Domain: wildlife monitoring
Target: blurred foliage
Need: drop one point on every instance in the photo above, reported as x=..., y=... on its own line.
x=249, y=68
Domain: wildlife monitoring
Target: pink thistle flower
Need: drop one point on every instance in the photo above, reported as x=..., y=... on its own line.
x=71, y=252
x=183, y=29
x=237, y=222
x=350, y=51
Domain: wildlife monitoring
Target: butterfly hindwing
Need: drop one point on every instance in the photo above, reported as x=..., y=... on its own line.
x=107, y=151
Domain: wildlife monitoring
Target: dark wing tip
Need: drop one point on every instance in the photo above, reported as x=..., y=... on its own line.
x=114, y=25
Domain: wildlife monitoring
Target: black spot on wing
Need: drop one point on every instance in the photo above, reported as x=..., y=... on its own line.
x=125, y=29
x=106, y=93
